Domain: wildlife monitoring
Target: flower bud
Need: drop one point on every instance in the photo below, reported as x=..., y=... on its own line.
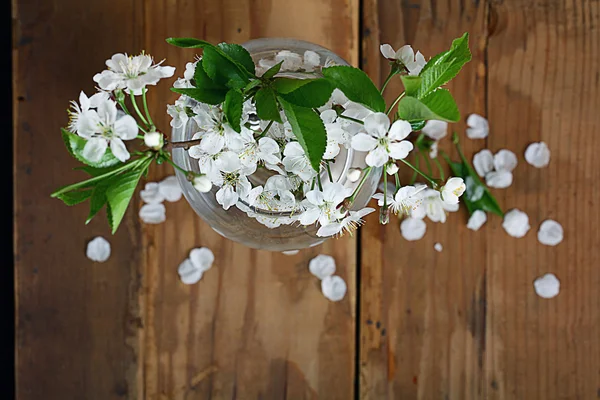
x=119, y=95
x=384, y=215
x=154, y=140
x=391, y=168
x=202, y=183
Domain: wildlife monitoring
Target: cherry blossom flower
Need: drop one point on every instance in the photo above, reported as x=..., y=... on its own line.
x=220, y=136
x=477, y=219
x=334, y=288
x=435, y=130
x=405, y=201
x=413, y=63
x=296, y=161
x=381, y=144
x=516, y=223
x=413, y=229
x=106, y=126
x=132, y=73
x=232, y=179
x=452, y=190
x=547, y=286
x=323, y=206
x=188, y=75
x=433, y=207
x=178, y=113
x=322, y=266
x=478, y=127
x=153, y=213
x=84, y=105
x=151, y=194
x=265, y=151
x=170, y=189
x=348, y=224
x=98, y=249
x=550, y=233
x=538, y=154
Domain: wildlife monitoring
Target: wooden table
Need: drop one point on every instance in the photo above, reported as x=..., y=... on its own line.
x=461, y=324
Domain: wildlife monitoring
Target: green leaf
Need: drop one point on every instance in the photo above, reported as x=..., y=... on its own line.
x=443, y=67
x=288, y=85
x=411, y=84
x=271, y=72
x=75, y=197
x=120, y=191
x=417, y=125
x=238, y=54
x=439, y=105
x=98, y=199
x=253, y=83
x=75, y=145
x=308, y=128
x=356, y=85
x=266, y=105
x=313, y=94
x=203, y=95
x=222, y=70
x=233, y=109
x=189, y=43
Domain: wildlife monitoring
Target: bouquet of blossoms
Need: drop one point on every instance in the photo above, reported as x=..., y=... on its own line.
x=285, y=118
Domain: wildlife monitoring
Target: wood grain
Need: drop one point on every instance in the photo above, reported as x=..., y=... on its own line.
x=466, y=323
x=257, y=325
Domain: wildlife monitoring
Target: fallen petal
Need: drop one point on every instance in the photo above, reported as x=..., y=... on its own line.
x=438, y=247
x=516, y=223
x=170, y=189
x=151, y=194
x=538, y=154
x=476, y=221
x=322, y=266
x=98, y=249
x=550, y=233
x=547, y=286
x=413, y=229
x=483, y=162
x=478, y=127
x=499, y=179
x=505, y=160
x=333, y=288
x=202, y=258
x=153, y=213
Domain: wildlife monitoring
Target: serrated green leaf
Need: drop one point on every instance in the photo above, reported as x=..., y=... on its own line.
x=75, y=197
x=439, y=105
x=411, y=84
x=189, y=43
x=253, y=83
x=443, y=67
x=75, y=145
x=240, y=55
x=120, y=191
x=266, y=105
x=203, y=95
x=98, y=199
x=222, y=70
x=271, y=72
x=232, y=108
x=417, y=125
x=356, y=85
x=313, y=94
x=308, y=128
x=287, y=85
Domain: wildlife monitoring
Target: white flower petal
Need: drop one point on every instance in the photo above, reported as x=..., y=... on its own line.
x=477, y=219
x=387, y=51
x=478, y=127
x=499, y=179
x=170, y=189
x=188, y=274
x=119, y=150
x=212, y=143
x=516, y=223
x=550, y=233
x=330, y=229
x=126, y=128
x=153, y=213
x=538, y=154
x=334, y=288
x=363, y=142
x=311, y=60
x=151, y=194
x=377, y=157
x=94, y=149
x=400, y=150
x=377, y=124
x=227, y=196
x=413, y=229
x=202, y=184
x=322, y=266
x=483, y=162
x=435, y=130
x=438, y=247
x=202, y=258
x=98, y=249
x=406, y=54
x=547, y=286
x=400, y=130
x=452, y=190
x=505, y=160
x=186, y=267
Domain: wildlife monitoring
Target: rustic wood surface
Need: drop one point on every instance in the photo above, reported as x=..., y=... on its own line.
x=461, y=324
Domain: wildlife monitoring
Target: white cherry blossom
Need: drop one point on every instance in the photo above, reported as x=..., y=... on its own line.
x=433, y=207
x=265, y=151
x=322, y=266
x=153, y=213
x=405, y=201
x=132, y=73
x=188, y=75
x=538, y=154
x=170, y=189
x=98, y=249
x=478, y=127
x=435, y=130
x=477, y=219
x=334, y=288
x=179, y=113
x=413, y=63
x=516, y=223
x=452, y=190
x=413, y=229
x=348, y=224
x=85, y=104
x=550, y=233
x=296, y=161
x=232, y=179
x=381, y=144
x=547, y=286
x=323, y=206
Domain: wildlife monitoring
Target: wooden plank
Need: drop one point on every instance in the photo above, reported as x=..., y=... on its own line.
x=256, y=326
x=75, y=321
x=466, y=323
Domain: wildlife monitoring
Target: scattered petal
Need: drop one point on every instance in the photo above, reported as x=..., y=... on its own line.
x=538, y=154
x=333, y=288
x=202, y=258
x=550, y=233
x=499, y=179
x=478, y=127
x=151, y=194
x=153, y=213
x=436, y=130
x=291, y=252
x=483, y=162
x=170, y=189
x=547, y=286
x=322, y=266
x=188, y=273
x=413, y=229
x=516, y=223
x=438, y=247
x=505, y=160
x=98, y=249
x=476, y=221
